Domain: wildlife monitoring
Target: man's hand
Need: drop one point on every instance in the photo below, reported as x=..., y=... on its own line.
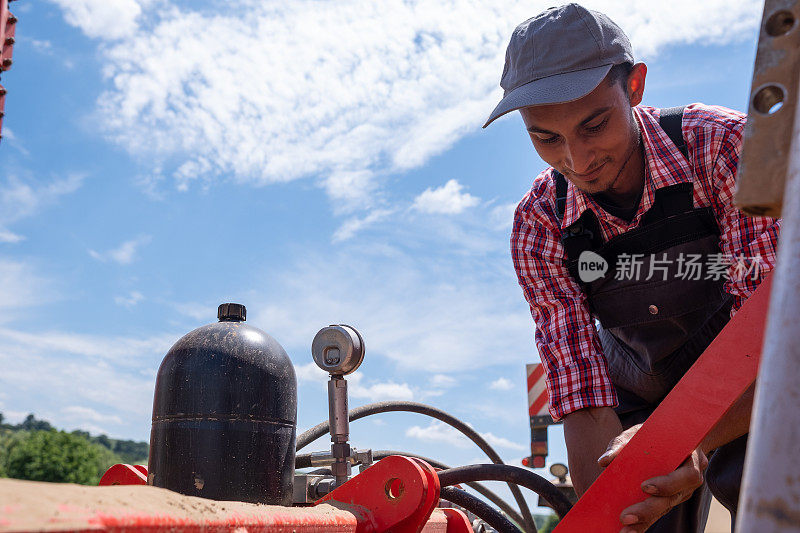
x=665, y=492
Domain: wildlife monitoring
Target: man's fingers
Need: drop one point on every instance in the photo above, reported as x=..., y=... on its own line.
x=616, y=444
x=683, y=479
x=642, y=515
x=687, y=477
x=666, y=492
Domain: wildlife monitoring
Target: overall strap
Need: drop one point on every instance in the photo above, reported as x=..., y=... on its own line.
x=671, y=121
x=582, y=235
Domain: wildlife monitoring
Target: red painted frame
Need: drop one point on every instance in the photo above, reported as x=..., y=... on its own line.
x=717, y=379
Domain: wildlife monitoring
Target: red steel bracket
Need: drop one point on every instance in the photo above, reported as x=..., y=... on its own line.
x=457, y=521
x=396, y=494
x=717, y=379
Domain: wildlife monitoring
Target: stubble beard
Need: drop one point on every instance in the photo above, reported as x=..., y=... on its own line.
x=637, y=135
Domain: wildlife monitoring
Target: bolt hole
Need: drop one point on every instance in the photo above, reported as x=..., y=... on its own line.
x=394, y=488
x=780, y=23
x=769, y=99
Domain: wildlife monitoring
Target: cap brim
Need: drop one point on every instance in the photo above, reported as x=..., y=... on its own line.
x=555, y=89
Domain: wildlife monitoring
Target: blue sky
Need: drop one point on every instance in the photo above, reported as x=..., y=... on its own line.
x=318, y=162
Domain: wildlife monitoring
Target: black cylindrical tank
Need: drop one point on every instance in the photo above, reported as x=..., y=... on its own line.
x=225, y=414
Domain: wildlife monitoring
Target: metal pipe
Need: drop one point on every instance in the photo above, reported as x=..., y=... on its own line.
x=339, y=428
x=770, y=493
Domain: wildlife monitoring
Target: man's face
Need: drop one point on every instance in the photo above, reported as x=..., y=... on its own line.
x=591, y=141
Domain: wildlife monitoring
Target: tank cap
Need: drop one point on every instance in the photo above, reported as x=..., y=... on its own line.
x=231, y=312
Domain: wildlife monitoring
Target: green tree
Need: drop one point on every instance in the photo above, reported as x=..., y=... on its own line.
x=132, y=452
x=104, y=440
x=550, y=524
x=55, y=456
x=31, y=424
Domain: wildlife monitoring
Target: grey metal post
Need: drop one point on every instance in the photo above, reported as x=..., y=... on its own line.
x=770, y=497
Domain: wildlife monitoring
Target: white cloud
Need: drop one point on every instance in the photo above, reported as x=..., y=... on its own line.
x=345, y=91
x=355, y=224
x=502, y=216
x=442, y=380
x=44, y=370
x=501, y=384
x=9, y=236
x=439, y=432
x=447, y=199
x=446, y=312
x=443, y=433
x=389, y=390
x=81, y=413
x=21, y=287
x=114, y=349
x=196, y=311
x=21, y=198
x=310, y=372
x=375, y=391
x=42, y=46
x=501, y=442
x=123, y=254
x=105, y=19
x=129, y=301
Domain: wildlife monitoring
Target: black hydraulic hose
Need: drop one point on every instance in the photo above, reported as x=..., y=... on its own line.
x=323, y=428
x=478, y=487
x=303, y=460
x=479, y=508
x=509, y=474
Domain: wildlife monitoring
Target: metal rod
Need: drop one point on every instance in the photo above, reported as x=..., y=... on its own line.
x=339, y=428
x=770, y=495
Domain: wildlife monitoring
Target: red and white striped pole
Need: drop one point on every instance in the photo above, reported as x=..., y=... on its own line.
x=539, y=415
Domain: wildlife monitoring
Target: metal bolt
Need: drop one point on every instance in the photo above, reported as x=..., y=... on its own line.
x=7, y=62
x=10, y=41
x=2, y=91
x=11, y=19
x=653, y=310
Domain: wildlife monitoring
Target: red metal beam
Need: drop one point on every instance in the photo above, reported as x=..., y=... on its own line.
x=719, y=377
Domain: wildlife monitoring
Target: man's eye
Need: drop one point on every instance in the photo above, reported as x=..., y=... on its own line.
x=547, y=140
x=598, y=127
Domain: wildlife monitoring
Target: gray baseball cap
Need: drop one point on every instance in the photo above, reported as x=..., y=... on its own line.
x=558, y=56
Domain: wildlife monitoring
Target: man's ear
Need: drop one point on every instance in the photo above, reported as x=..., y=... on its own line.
x=635, y=85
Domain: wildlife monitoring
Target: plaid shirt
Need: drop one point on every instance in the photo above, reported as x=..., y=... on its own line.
x=569, y=347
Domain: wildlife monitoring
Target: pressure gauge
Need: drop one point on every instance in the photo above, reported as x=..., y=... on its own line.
x=338, y=349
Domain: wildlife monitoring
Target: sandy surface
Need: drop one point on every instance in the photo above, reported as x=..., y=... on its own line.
x=34, y=506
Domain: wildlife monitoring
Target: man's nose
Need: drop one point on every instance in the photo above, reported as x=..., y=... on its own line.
x=579, y=157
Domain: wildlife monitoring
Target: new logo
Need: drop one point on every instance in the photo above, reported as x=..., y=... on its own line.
x=591, y=266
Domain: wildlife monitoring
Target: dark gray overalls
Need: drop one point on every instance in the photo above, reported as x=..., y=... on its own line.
x=653, y=330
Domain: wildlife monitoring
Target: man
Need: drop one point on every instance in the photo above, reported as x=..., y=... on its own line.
x=649, y=193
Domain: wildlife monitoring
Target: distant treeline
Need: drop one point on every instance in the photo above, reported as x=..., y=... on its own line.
x=35, y=450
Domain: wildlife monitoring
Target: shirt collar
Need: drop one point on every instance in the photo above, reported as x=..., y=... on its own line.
x=664, y=165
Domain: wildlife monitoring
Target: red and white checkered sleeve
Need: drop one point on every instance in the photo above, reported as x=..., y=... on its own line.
x=748, y=242
x=568, y=344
